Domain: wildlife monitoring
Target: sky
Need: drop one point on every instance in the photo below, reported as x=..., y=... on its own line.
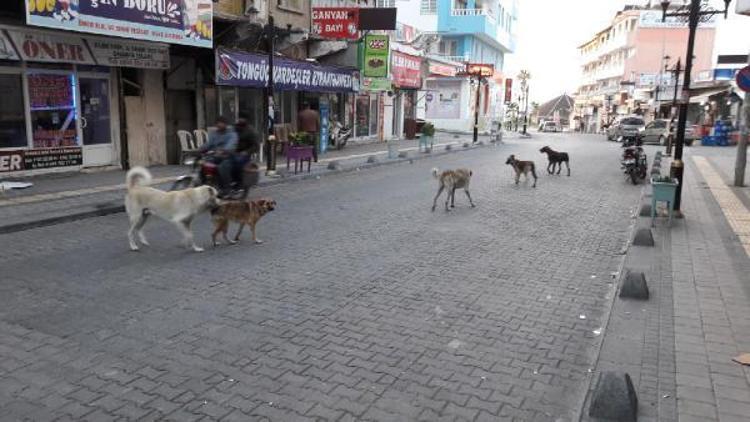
x=547, y=35
x=549, y=32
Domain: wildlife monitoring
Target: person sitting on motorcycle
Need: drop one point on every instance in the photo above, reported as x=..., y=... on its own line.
x=222, y=142
x=248, y=146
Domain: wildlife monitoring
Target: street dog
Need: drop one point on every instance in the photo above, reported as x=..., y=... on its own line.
x=451, y=180
x=555, y=160
x=243, y=212
x=522, y=167
x=178, y=207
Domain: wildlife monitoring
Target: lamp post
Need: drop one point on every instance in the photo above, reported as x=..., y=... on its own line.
x=676, y=75
x=476, y=110
x=695, y=12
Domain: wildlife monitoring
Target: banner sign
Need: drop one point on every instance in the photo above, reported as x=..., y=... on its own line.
x=376, y=56
x=508, y=91
x=406, y=70
x=117, y=53
x=7, y=52
x=49, y=47
x=34, y=159
x=251, y=70
x=480, y=69
x=442, y=69
x=188, y=22
x=376, y=84
x=336, y=22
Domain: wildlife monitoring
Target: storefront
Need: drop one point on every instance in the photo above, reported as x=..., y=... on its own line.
x=60, y=102
x=406, y=72
x=369, y=105
x=241, y=77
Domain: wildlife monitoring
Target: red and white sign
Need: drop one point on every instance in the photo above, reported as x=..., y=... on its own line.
x=336, y=22
x=11, y=161
x=55, y=48
x=442, y=69
x=406, y=70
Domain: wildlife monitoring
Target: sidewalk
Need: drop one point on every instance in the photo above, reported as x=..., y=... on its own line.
x=57, y=198
x=678, y=345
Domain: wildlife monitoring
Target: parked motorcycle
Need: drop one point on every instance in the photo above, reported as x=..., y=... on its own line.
x=203, y=171
x=339, y=134
x=634, y=161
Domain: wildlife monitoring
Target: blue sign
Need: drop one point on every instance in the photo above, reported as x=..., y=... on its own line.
x=324, y=111
x=743, y=79
x=168, y=21
x=237, y=68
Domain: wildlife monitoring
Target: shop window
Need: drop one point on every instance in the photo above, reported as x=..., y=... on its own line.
x=12, y=113
x=251, y=105
x=374, y=114
x=227, y=104
x=53, y=106
x=362, y=115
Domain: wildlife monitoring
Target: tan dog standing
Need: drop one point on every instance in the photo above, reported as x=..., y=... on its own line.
x=522, y=167
x=452, y=180
x=243, y=212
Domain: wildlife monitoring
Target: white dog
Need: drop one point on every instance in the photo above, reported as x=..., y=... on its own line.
x=178, y=207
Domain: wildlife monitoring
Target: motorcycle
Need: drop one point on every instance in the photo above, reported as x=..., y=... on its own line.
x=339, y=134
x=634, y=160
x=204, y=171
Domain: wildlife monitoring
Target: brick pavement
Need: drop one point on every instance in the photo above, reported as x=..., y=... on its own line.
x=361, y=305
x=678, y=345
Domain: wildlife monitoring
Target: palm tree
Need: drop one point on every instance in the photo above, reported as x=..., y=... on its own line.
x=524, y=76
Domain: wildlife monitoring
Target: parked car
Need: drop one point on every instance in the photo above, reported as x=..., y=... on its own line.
x=550, y=127
x=658, y=132
x=626, y=126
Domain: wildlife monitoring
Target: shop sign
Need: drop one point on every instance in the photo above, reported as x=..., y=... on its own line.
x=442, y=69
x=118, y=53
x=653, y=19
x=376, y=56
x=336, y=22
x=251, y=70
x=170, y=21
x=7, y=52
x=34, y=159
x=480, y=69
x=376, y=84
x=406, y=70
x=49, y=47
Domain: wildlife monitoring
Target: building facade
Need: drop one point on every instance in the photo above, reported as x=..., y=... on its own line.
x=624, y=67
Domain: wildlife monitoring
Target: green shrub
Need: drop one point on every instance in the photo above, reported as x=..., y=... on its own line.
x=428, y=129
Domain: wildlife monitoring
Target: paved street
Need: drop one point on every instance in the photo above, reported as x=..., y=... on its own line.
x=360, y=305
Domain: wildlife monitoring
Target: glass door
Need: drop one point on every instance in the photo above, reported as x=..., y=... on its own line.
x=96, y=121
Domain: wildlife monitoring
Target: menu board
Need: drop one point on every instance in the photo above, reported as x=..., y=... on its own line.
x=50, y=91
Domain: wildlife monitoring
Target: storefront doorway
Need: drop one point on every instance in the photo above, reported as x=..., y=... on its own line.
x=96, y=120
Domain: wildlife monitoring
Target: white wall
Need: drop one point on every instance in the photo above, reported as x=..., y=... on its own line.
x=732, y=36
x=409, y=14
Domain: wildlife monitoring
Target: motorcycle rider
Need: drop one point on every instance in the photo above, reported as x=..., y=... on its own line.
x=222, y=141
x=248, y=146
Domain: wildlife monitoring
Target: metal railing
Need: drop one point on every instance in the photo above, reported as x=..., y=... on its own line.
x=468, y=12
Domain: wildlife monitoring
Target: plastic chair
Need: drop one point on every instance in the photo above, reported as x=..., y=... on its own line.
x=187, y=144
x=201, y=137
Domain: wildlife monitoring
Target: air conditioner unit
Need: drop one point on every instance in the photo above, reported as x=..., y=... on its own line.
x=743, y=7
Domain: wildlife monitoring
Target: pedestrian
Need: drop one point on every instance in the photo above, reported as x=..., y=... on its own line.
x=222, y=143
x=308, y=121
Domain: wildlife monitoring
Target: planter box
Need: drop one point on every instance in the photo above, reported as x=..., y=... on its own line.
x=663, y=192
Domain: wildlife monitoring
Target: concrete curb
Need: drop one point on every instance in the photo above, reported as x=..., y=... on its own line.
x=109, y=208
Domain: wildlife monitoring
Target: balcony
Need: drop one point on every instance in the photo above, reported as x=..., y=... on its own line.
x=473, y=21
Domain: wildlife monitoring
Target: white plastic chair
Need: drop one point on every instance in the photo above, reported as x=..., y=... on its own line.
x=201, y=137
x=187, y=144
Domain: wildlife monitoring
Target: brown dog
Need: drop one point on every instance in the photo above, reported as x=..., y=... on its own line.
x=522, y=167
x=244, y=212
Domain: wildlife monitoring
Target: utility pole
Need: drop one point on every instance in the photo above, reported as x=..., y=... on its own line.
x=741, y=162
x=677, y=70
x=476, y=111
x=270, y=31
x=694, y=15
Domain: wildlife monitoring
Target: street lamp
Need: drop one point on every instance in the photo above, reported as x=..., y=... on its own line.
x=695, y=12
x=676, y=76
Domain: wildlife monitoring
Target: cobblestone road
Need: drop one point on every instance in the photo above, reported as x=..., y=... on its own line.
x=360, y=305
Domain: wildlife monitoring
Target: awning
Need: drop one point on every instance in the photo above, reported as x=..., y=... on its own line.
x=705, y=96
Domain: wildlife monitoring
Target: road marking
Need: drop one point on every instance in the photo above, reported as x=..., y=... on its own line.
x=111, y=188
x=734, y=210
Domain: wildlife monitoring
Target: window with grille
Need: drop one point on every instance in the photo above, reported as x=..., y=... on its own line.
x=385, y=3
x=428, y=7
